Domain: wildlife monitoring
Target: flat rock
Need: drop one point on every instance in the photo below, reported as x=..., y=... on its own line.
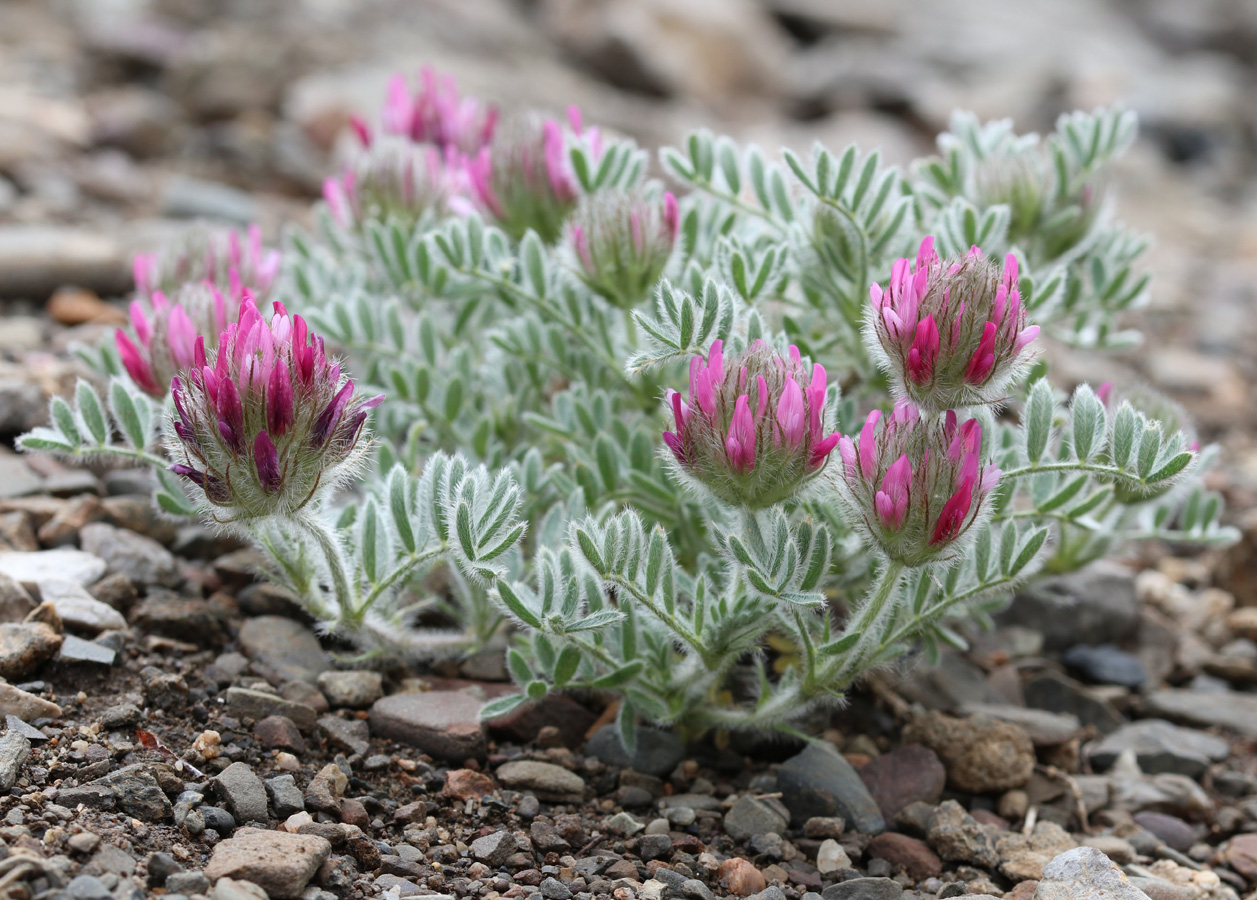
x=354, y=689
x=523, y=723
x=353, y=735
x=445, y=724
x=79, y=609
x=981, y=754
x=284, y=645
x=913, y=855
x=17, y=479
x=26, y=706
x=1057, y=693
x=243, y=792
x=1160, y=746
x=15, y=603
x=820, y=782
x=907, y=774
x=1207, y=709
x=35, y=260
x=15, y=749
x=31, y=568
x=75, y=649
x=30, y=732
x=25, y=647
x=751, y=815
x=546, y=780
x=1106, y=664
x=1097, y=603
x=136, y=556
x=864, y=889
x=1045, y=729
x=246, y=703
x=1085, y=873
x=281, y=864
x=658, y=752
x=1241, y=855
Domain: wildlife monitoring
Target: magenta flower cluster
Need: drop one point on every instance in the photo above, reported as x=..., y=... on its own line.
x=951, y=334
x=166, y=333
x=753, y=432
x=436, y=114
x=916, y=488
x=266, y=421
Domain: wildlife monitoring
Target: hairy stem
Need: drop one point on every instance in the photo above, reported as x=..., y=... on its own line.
x=325, y=540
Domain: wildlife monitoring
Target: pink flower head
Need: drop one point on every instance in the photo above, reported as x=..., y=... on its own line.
x=394, y=180
x=621, y=241
x=166, y=333
x=265, y=421
x=952, y=334
x=916, y=488
x=225, y=259
x=524, y=179
x=753, y=431
x=436, y=115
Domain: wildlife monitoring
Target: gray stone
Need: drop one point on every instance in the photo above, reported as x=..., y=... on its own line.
x=355, y=689
x=286, y=797
x=623, y=823
x=864, y=889
x=243, y=792
x=136, y=556
x=136, y=791
x=1085, y=873
x=187, y=883
x=1045, y=729
x=15, y=749
x=15, y=603
x=445, y=724
x=88, y=887
x=79, y=609
x=246, y=703
x=281, y=864
x=17, y=479
x=235, y=889
x=751, y=815
x=196, y=198
x=35, y=260
x=75, y=649
x=820, y=782
x=493, y=849
x=353, y=735
x=1106, y=664
x=546, y=780
x=1057, y=693
x=657, y=753
x=957, y=837
x=285, y=646
x=31, y=568
x=217, y=819
x=1097, y=604
x=1207, y=709
x=1160, y=746
x=553, y=889
x=30, y=732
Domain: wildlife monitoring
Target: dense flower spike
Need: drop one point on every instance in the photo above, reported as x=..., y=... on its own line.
x=266, y=422
x=917, y=489
x=622, y=241
x=951, y=334
x=223, y=258
x=524, y=179
x=753, y=432
x=394, y=179
x=435, y=114
x=166, y=333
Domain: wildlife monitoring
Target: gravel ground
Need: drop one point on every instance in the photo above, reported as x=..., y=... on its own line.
x=174, y=727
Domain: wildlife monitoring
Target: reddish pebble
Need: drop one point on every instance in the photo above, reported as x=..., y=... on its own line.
x=741, y=877
x=354, y=813
x=464, y=784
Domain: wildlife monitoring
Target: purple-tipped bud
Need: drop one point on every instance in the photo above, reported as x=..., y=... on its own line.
x=951, y=333
x=267, y=422
x=753, y=430
x=396, y=180
x=916, y=489
x=621, y=242
x=436, y=115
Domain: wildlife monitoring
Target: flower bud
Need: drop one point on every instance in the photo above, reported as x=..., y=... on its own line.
x=1042, y=218
x=753, y=433
x=435, y=114
x=951, y=334
x=524, y=179
x=166, y=333
x=621, y=242
x=219, y=257
x=916, y=489
x=393, y=180
x=265, y=422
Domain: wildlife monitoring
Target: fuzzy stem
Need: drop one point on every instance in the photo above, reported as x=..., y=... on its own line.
x=326, y=541
x=843, y=670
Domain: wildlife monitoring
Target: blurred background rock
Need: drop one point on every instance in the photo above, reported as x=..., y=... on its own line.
x=122, y=119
